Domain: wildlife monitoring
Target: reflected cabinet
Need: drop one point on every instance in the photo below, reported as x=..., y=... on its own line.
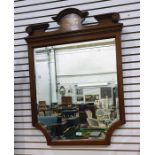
x=76, y=78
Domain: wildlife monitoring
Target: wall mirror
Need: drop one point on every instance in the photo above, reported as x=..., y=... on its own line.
x=76, y=78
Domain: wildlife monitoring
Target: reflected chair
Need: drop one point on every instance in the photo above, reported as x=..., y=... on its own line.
x=41, y=108
x=66, y=100
x=82, y=114
x=92, y=122
x=103, y=115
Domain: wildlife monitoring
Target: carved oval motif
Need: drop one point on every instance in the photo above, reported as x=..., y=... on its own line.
x=71, y=22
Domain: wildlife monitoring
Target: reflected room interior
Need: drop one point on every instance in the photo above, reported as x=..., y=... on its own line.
x=76, y=89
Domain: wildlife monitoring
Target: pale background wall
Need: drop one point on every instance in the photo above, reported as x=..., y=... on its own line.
x=125, y=140
x=73, y=67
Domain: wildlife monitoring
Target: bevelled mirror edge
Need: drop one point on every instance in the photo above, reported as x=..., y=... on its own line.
x=109, y=26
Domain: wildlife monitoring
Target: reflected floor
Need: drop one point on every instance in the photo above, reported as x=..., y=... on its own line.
x=72, y=129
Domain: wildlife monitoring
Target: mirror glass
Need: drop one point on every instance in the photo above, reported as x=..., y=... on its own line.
x=76, y=89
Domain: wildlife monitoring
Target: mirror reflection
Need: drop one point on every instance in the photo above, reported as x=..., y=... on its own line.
x=76, y=89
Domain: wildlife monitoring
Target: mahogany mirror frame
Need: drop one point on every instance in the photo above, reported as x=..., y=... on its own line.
x=72, y=29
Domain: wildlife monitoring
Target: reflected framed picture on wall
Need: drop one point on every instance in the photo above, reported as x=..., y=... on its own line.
x=91, y=98
x=80, y=98
x=79, y=91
